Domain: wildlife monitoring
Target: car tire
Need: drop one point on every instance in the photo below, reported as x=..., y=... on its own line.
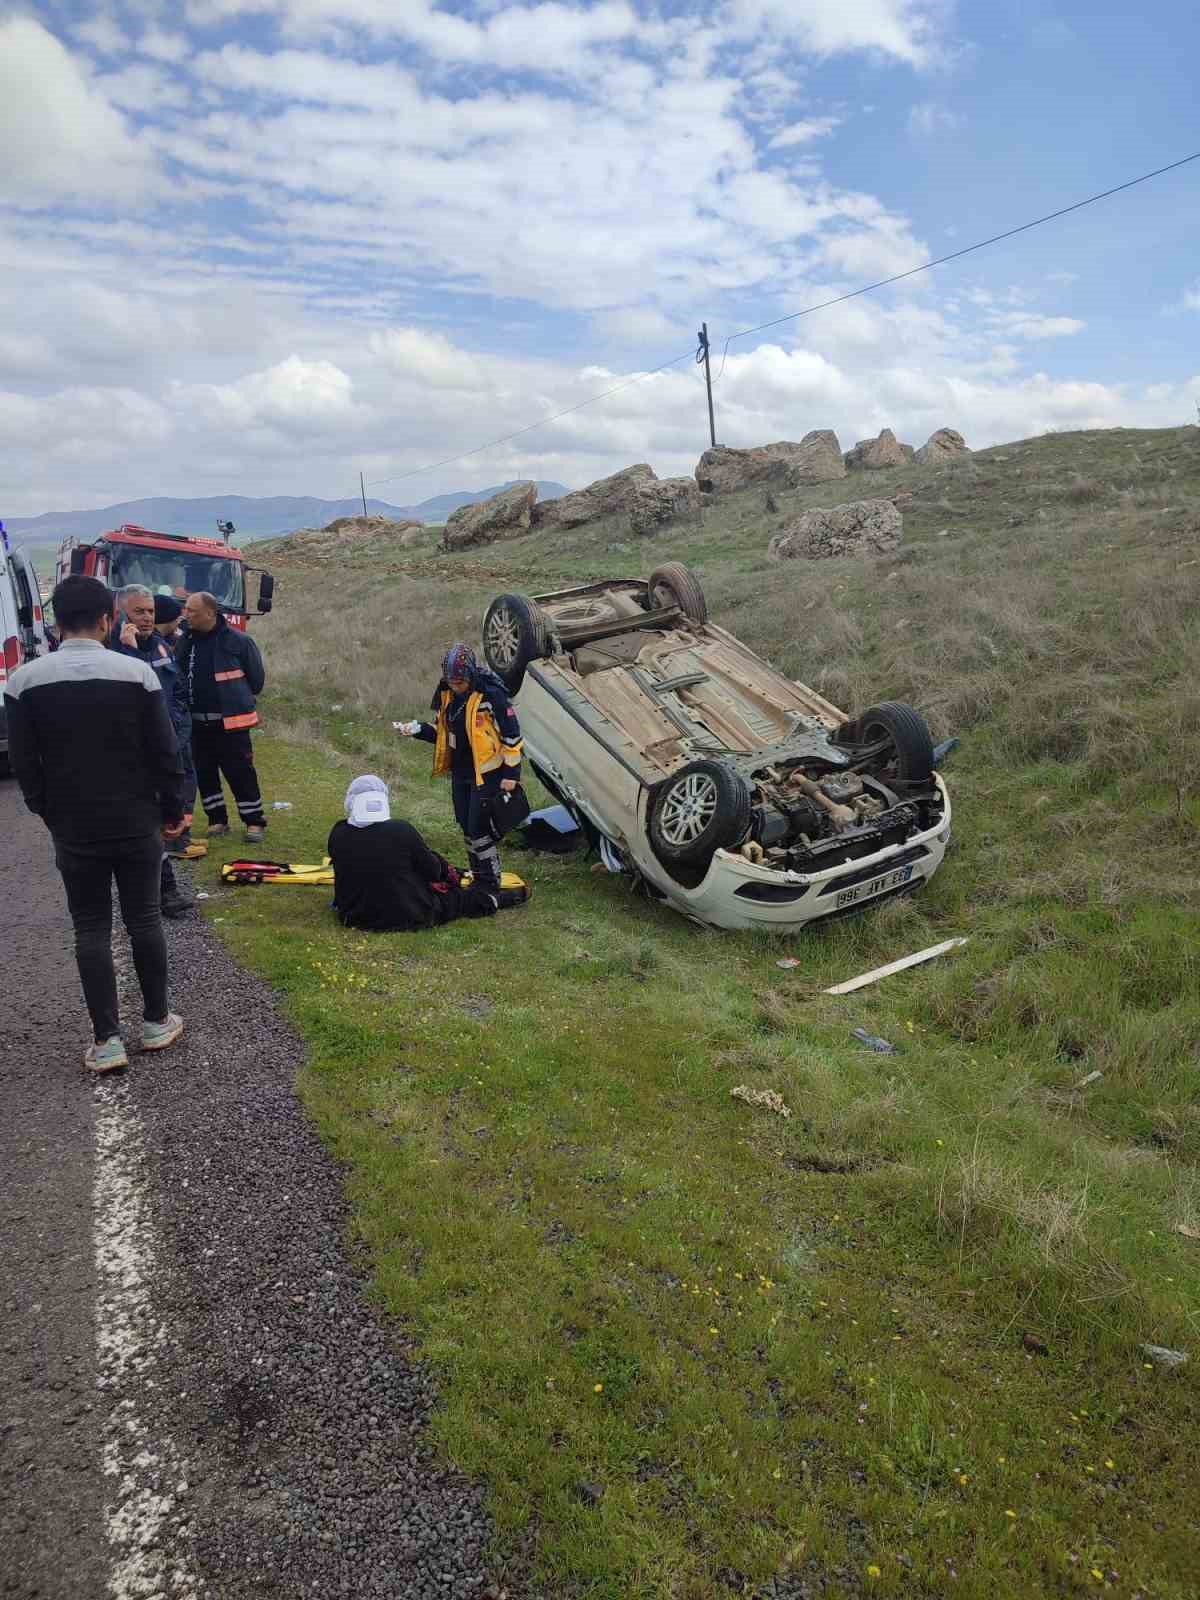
x=912, y=747
x=673, y=584
x=703, y=807
x=516, y=631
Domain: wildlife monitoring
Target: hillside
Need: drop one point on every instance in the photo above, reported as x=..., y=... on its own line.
x=254, y=518
x=898, y=1343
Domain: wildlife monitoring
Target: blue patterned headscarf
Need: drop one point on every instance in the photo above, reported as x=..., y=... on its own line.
x=460, y=662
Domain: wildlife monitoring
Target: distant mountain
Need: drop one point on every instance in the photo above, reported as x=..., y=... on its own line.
x=253, y=518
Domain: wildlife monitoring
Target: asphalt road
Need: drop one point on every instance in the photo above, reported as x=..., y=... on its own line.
x=195, y=1399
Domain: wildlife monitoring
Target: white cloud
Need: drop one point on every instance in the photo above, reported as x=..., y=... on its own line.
x=644, y=326
x=1191, y=297
x=1036, y=327
x=928, y=120
x=163, y=46
x=804, y=132
x=104, y=35
x=294, y=396
x=903, y=29
x=59, y=134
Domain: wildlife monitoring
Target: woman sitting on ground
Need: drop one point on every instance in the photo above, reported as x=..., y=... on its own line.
x=387, y=879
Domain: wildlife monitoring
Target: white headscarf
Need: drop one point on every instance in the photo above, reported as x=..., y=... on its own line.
x=367, y=801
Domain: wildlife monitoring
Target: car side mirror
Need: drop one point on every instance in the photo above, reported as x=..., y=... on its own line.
x=266, y=591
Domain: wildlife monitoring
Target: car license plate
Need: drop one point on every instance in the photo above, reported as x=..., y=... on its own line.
x=874, y=886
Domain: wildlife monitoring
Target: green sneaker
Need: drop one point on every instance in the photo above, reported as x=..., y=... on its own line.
x=158, y=1035
x=106, y=1055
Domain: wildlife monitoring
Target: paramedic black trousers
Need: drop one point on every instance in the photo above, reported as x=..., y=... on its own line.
x=87, y=872
x=472, y=812
x=218, y=750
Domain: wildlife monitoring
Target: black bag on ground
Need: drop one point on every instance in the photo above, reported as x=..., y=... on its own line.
x=508, y=810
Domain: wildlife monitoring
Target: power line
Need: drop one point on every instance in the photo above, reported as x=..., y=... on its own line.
x=540, y=423
x=954, y=255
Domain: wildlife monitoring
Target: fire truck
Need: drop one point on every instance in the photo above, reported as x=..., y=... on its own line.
x=177, y=564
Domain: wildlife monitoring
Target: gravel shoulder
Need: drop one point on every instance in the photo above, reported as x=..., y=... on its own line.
x=284, y=1451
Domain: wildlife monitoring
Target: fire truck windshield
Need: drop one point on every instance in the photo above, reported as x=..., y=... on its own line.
x=179, y=572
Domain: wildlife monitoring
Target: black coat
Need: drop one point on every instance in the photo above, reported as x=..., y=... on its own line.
x=383, y=878
x=237, y=668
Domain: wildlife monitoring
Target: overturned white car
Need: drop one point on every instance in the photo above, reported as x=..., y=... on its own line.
x=741, y=798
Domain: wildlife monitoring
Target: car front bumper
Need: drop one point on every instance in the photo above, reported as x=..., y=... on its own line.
x=735, y=893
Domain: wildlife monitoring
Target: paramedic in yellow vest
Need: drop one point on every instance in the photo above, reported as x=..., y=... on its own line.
x=477, y=740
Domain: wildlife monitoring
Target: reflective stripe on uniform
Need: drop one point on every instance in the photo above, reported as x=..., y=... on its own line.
x=225, y=677
x=247, y=720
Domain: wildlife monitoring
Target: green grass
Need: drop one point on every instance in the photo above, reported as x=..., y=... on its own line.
x=558, y=1191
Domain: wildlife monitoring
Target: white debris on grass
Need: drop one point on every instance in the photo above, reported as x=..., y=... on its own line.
x=761, y=1097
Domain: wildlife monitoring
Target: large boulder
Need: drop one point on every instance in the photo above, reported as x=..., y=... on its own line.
x=724, y=468
x=862, y=527
x=817, y=459
x=370, y=527
x=663, y=501
x=872, y=455
x=347, y=532
x=944, y=445
x=504, y=516
x=615, y=493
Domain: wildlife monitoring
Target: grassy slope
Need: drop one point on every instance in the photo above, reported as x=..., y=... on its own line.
x=795, y=1345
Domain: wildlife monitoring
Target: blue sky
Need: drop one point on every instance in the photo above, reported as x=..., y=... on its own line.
x=257, y=245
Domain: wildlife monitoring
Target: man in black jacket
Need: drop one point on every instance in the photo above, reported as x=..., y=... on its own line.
x=225, y=674
x=96, y=757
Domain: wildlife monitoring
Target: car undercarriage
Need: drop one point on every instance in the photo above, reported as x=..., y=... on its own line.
x=667, y=731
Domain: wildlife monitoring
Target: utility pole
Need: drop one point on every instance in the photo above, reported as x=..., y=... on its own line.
x=363, y=491
x=702, y=355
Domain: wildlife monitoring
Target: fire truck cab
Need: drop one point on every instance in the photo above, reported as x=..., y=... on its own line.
x=169, y=563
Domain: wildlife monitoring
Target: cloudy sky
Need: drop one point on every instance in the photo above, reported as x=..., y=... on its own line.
x=256, y=245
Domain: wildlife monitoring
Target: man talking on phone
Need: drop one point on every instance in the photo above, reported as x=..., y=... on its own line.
x=96, y=757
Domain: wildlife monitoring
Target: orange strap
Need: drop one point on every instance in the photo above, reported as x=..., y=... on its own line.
x=225, y=677
x=247, y=720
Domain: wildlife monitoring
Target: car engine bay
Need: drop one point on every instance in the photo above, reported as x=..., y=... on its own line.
x=805, y=818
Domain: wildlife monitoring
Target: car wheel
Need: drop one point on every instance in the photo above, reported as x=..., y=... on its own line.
x=704, y=807
x=673, y=584
x=908, y=748
x=515, y=632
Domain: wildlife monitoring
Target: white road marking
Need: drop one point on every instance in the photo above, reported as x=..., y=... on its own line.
x=146, y=1487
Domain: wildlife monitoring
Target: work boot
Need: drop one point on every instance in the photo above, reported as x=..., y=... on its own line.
x=174, y=901
x=183, y=848
x=217, y=830
x=256, y=832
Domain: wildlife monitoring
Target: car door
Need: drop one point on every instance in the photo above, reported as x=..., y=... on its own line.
x=27, y=596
